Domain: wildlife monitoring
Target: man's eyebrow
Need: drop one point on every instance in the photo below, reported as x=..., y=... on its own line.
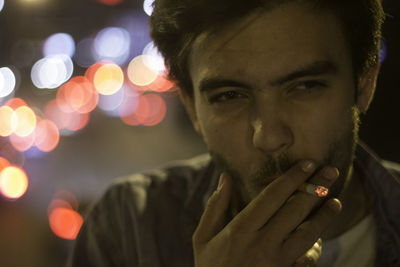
x=315, y=68
x=212, y=83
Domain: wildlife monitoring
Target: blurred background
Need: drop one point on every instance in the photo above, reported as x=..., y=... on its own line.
x=84, y=99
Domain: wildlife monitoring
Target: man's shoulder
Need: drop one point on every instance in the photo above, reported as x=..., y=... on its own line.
x=392, y=167
x=174, y=180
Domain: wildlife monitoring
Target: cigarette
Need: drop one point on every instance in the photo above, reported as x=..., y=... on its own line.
x=316, y=190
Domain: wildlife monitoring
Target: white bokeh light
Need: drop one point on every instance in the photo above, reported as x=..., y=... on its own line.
x=112, y=43
x=59, y=43
x=50, y=72
x=1, y=5
x=110, y=103
x=7, y=81
x=148, y=7
x=156, y=61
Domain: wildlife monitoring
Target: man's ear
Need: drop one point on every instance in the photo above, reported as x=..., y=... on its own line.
x=188, y=103
x=366, y=87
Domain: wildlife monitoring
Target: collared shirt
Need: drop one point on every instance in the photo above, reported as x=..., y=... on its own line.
x=148, y=219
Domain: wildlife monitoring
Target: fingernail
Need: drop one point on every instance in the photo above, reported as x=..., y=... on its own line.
x=220, y=182
x=335, y=205
x=307, y=166
x=331, y=173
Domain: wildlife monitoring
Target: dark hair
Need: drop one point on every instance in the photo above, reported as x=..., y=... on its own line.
x=175, y=24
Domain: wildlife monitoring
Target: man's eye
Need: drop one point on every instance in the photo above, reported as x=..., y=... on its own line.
x=225, y=96
x=308, y=86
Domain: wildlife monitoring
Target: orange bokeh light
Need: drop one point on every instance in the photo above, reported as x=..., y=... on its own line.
x=8, y=121
x=13, y=182
x=108, y=79
x=91, y=71
x=47, y=135
x=68, y=197
x=161, y=84
x=3, y=163
x=58, y=203
x=15, y=103
x=26, y=121
x=78, y=94
x=72, y=121
x=158, y=110
x=150, y=110
x=22, y=143
x=65, y=222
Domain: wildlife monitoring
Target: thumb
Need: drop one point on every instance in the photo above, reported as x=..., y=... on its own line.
x=213, y=218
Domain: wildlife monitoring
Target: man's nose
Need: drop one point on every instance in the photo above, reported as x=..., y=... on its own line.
x=270, y=131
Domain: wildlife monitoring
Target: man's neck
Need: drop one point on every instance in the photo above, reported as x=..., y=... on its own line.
x=356, y=206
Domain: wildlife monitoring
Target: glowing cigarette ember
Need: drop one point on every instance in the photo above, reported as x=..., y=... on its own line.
x=317, y=190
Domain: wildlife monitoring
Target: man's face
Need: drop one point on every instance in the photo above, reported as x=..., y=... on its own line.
x=271, y=89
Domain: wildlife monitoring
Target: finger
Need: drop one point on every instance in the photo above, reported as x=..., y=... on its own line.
x=213, y=217
x=311, y=257
x=268, y=201
x=299, y=206
x=308, y=232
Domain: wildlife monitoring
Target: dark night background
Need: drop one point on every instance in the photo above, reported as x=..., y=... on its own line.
x=85, y=163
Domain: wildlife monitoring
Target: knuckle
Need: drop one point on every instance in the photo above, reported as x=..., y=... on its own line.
x=309, y=230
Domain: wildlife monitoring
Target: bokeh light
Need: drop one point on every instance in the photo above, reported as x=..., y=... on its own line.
x=7, y=81
x=66, y=122
x=129, y=102
x=24, y=143
x=47, y=135
x=150, y=110
x=68, y=197
x=52, y=71
x=3, y=164
x=58, y=203
x=139, y=73
x=15, y=103
x=161, y=84
x=26, y=121
x=8, y=121
x=110, y=2
x=108, y=79
x=148, y=7
x=77, y=95
x=112, y=43
x=65, y=222
x=111, y=103
x=59, y=43
x=154, y=61
x=13, y=182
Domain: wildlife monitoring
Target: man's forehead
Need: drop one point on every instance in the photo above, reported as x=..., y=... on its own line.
x=267, y=37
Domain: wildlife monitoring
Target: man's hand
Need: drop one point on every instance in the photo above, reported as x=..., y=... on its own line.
x=274, y=229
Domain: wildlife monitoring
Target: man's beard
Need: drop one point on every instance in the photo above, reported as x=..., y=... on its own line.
x=341, y=153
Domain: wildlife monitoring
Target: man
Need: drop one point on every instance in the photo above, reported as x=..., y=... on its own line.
x=275, y=88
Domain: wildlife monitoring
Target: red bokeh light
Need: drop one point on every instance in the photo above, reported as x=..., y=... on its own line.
x=65, y=222
x=22, y=143
x=3, y=163
x=110, y=2
x=78, y=94
x=72, y=121
x=15, y=103
x=150, y=110
x=47, y=135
